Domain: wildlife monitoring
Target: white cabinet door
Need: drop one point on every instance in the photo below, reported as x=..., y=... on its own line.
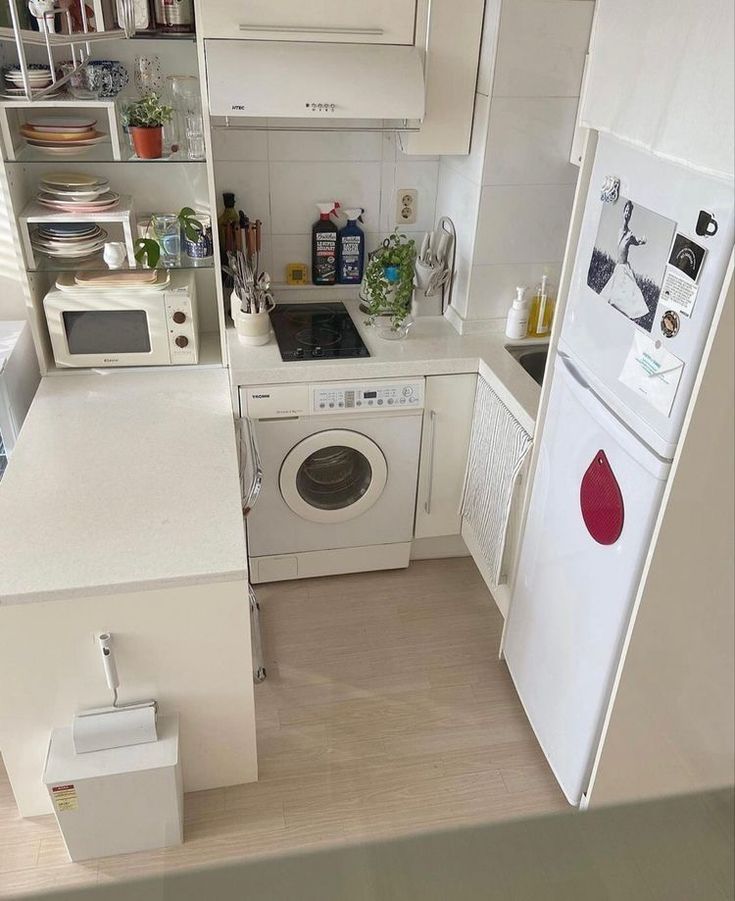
x=349, y=21
x=445, y=442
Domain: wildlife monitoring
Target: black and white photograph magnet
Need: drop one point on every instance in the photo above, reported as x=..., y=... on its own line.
x=670, y=323
x=629, y=259
x=687, y=256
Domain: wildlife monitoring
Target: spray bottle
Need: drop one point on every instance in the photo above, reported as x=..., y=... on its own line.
x=324, y=247
x=351, y=250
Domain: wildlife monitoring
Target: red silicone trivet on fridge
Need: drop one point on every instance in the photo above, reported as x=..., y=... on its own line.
x=601, y=501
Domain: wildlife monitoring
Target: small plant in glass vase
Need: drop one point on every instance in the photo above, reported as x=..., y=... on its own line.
x=145, y=119
x=388, y=286
x=148, y=249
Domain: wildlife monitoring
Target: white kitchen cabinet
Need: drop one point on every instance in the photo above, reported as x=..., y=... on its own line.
x=445, y=442
x=377, y=22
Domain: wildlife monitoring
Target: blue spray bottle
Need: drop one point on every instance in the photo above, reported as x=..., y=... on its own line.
x=351, y=250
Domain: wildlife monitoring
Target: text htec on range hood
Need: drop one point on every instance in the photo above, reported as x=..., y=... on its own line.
x=287, y=79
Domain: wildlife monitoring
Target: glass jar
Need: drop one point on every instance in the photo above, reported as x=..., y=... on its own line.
x=167, y=231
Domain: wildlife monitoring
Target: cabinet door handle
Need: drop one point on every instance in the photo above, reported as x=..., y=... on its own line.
x=312, y=29
x=432, y=443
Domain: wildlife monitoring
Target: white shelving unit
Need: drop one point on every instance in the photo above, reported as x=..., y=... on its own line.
x=149, y=186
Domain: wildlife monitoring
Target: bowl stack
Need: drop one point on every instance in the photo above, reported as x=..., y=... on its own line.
x=39, y=77
x=75, y=192
x=61, y=134
x=68, y=240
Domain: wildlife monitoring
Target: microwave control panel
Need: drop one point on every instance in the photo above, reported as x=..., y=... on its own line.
x=181, y=324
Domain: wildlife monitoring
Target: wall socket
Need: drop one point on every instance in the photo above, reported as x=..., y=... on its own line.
x=407, y=201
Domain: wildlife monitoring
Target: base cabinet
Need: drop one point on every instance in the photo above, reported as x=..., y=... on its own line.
x=445, y=442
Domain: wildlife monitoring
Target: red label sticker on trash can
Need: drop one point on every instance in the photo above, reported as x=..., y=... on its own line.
x=601, y=501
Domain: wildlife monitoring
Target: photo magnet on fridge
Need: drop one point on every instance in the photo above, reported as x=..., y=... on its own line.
x=679, y=289
x=629, y=258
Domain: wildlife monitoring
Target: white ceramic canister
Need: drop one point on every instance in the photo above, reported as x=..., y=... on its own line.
x=253, y=329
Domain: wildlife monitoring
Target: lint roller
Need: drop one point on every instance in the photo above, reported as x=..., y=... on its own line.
x=118, y=725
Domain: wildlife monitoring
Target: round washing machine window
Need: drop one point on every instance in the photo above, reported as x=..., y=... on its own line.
x=333, y=476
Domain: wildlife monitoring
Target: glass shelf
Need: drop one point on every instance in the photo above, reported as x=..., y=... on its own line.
x=97, y=264
x=101, y=153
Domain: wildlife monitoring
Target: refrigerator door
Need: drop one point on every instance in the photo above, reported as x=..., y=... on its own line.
x=668, y=200
x=593, y=506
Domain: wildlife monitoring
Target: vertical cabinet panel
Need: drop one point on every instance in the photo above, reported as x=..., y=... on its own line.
x=378, y=22
x=445, y=441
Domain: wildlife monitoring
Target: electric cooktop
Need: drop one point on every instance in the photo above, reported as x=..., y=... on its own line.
x=316, y=331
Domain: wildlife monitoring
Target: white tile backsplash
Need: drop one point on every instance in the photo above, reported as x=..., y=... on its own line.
x=249, y=182
x=239, y=144
x=296, y=188
x=458, y=198
x=472, y=165
x=325, y=146
x=492, y=288
x=529, y=141
x=541, y=48
x=523, y=223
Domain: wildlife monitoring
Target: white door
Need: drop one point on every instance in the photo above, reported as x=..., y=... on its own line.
x=333, y=476
x=349, y=21
x=593, y=505
x=445, y=441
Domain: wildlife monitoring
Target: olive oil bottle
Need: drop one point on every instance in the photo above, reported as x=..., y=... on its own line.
x=542, y=311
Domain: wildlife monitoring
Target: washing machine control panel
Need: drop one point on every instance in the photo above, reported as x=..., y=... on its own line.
x=368, y=397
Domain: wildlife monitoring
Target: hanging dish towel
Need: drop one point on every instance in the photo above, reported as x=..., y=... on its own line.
x=498, y=449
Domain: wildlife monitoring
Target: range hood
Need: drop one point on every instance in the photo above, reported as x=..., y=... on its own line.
x=286, y=79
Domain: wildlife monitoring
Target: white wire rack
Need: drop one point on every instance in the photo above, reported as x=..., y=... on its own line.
x=78, y=44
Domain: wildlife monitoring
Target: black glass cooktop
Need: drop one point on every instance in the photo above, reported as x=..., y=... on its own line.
x=316, y=331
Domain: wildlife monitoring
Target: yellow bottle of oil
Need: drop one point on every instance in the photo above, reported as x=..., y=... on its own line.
x=542, y=311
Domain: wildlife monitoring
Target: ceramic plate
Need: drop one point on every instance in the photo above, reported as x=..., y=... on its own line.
x=87, y=142
x=62, y=123
x=60, y=137
x=72, y=179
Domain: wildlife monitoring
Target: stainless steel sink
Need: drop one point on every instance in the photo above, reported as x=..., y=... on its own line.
x=532, y=359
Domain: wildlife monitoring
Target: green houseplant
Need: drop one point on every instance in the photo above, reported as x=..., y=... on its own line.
x=145, y=119
x=388, y=287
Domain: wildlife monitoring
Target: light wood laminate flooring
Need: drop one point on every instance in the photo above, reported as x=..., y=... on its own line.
x=386, y=712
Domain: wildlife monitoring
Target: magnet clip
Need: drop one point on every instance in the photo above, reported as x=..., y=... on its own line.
x=610, y=189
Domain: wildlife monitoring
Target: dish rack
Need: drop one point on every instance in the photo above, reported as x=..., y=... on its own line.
x=77, y=43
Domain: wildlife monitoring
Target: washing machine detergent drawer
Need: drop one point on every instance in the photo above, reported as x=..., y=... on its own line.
x=335, y=482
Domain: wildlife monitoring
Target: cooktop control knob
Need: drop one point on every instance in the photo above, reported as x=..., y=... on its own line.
x=182, y=341
x=179, y=318
x=317, y=352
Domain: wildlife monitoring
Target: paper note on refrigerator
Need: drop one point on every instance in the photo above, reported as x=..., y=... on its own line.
x=651, y=371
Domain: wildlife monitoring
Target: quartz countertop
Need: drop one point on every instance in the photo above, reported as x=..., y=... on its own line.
x=122, y=481
x=433, y=347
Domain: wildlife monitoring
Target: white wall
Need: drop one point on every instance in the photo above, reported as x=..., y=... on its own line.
x=12, y=302
x=279, y=176
x=511, y=198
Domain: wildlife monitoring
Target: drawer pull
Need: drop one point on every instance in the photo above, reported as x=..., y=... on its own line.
x=310, y=29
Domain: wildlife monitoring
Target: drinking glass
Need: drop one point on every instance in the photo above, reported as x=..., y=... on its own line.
x=167, y=231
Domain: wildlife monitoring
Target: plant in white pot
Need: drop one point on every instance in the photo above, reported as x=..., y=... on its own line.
x=388, y=286
x=145, y=119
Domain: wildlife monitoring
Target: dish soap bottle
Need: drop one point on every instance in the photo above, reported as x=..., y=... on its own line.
x=351, y=250
x=324, y=247
x=516, y=325
x=542, y=311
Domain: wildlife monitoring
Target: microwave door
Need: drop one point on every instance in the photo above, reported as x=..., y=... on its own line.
x=116, y=333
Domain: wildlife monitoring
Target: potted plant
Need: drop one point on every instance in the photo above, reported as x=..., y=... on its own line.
x=148, y=250
x=388, y=287
x=145, y=119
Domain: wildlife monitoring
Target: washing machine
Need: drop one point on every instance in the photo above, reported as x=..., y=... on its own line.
x=338, y=468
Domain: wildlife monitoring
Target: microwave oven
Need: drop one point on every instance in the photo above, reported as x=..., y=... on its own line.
x=91, y=327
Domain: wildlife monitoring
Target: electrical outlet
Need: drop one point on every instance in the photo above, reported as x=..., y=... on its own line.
x=407, y=201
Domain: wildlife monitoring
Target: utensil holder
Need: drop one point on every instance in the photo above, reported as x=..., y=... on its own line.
x=253, y=329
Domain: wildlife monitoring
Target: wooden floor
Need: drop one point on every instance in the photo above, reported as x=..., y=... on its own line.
x=385, y=712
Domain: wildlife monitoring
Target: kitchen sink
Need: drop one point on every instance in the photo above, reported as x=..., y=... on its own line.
x=532, y=359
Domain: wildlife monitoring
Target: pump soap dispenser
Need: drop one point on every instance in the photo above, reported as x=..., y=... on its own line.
x=516, y=325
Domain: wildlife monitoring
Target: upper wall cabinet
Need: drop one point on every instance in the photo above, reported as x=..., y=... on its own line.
x=346, y=21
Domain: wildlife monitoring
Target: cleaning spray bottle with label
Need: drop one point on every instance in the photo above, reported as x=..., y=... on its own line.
x=324, y=247
x=351, y=253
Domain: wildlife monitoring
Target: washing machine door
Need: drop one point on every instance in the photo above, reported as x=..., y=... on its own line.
x=333, y=476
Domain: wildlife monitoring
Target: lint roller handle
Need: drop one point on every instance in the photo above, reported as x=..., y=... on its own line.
x=108, y=660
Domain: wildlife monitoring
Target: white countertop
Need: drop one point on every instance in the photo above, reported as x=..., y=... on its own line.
x=433, y=347
x=120, y=482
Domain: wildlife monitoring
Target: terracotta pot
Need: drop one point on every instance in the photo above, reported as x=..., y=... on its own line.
x=148, y=142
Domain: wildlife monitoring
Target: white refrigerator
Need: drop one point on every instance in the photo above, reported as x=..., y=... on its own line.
x=19, y=378
x=653, y=250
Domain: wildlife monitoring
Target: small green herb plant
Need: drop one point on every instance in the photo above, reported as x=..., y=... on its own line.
x=148, y=250
x=148, y=112
x=389, y=296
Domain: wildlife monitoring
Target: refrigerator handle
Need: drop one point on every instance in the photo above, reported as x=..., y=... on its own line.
x=573, y=371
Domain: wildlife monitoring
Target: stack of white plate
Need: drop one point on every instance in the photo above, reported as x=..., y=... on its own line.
x=61, y=134
x=76, y=192
x=68, y=240
x=39, y=77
